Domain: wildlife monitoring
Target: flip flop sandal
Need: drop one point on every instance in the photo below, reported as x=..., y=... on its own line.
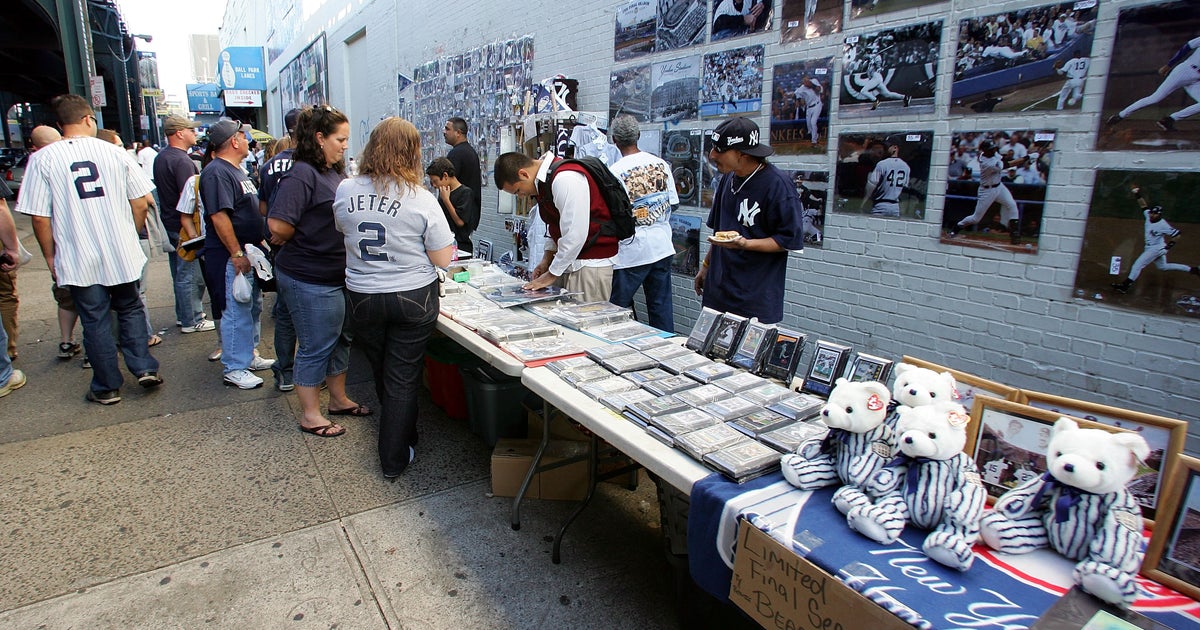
x=357, y=411
x=325, y=430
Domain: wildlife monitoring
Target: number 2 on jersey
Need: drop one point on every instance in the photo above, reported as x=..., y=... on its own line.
x=85, y=181
x=379, y=240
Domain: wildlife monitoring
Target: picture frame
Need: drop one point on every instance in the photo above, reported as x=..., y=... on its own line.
x=702, y=330
x=828, y=363
x=968, y=385
x=1166, y=561
x=754, y=344
x=867, y=367
x=726, y=335
x=783, y=355
x=483, y=250
x=1166, y=437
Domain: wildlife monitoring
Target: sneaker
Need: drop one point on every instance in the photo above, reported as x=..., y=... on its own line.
x=259, y=364
x=150, y=379
x=1122, y=287
x=875, y=105
x=203, y=325
x=215, y=355
x=87, y=364
x=15, y=382
x=1113, y=120
x=283, y=383
x=68, y=349
x=1166, y=123
x=242, y=379
x=179, y=324
x=108, y=397
x=907, y=99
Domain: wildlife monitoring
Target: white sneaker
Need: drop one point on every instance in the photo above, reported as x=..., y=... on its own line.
x=260, y=363
x=242, y=379
x=203, y=325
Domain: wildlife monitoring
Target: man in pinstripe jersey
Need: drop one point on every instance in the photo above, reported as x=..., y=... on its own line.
x=88, y=200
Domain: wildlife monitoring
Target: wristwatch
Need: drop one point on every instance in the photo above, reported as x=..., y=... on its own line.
x=239, y=254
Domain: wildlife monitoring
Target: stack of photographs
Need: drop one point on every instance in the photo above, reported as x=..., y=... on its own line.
x=702, y=395
x=619, y=401
x=529, y=350
x=798, y=406
x=642, y=413
x=670, y=385
x=597, y=389
x=710, y=372
x=702, y=442
x=742, y=381
x=789, y=437
x=760, y=421
x=732, y=408
x=578, y=376
x=744, y=461
x=629, y=363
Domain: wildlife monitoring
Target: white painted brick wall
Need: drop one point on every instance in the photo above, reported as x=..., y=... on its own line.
x=883, y=286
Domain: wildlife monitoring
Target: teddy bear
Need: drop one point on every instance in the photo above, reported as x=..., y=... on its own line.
x=916, y=386
x=931, y=483
x=859, y=443
x=1080, y=508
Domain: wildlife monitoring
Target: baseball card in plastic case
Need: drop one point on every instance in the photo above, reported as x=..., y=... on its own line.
x=828, y=362
x=701, y=333
x=755, y=343
x=783, y=355
x=726, y=335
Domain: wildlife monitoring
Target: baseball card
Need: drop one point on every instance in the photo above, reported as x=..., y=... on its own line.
x=681, y=149
x=996, y=189
x=869, y=8
x=883, y=174
x=809, y=19
x=890, y=72
x=1153, y=89
x=674, y=86
x=800, y=97
x=635, y=28
x=732, y=83
x=680, y=24
x=629, y=93
x=735, y=18
x=813, y=189
x=1024, y=60
x=1129, y=256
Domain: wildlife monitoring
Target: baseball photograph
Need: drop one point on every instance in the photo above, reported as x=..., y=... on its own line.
x=868, y=8
x=996, y=189
x=883, y=174
x=709, y=177
x=813, y=189
x=629, y=93
x=732, y=83
x=635, y=27
x=681, y=149
x=800, y=96
x=680, y=24
x=685, y=237
x=734, y=18
x=890, y=72
x=1029, y=59
x=1153, y=88
x=809, y=19
x=675, y=86
x=1141, y=245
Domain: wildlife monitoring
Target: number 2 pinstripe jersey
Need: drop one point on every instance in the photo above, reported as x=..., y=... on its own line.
x=83, y=185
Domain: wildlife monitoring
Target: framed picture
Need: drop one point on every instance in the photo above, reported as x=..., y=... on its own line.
x=890, y=72
x=968, y=386
x=883, y=174
x=800, y=93
x=1174, y=554
x=828, y=363
x=1165, y=436
x=483, y=249
x=755, y=343
x=866, y=367
x=702, y=330
x=732, y=83
x=783, y=355
x=726, y=335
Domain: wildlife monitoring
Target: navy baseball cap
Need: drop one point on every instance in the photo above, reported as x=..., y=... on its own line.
x=290, y=118
x=739, y=134
x=221, y=131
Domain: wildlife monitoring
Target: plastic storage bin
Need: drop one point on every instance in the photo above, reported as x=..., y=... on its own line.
x=443, y=358
x=494, y=404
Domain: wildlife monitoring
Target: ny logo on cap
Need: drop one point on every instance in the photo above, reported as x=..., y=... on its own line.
x=753, y=138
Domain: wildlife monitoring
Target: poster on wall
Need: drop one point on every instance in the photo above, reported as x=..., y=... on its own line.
x=996, y=189
x=681, y=149
x=629, y=93
x=813, y=189
x=1153, y=88
x=890, y=72
x=676, y=85
x=1018, y=61
x=870, y=8
x=809, y=19
x=304, y=80
x=734, y=18
x=1128, y=256
x=709, y=176
x=635, y=26
x=883, y=174
x=680, y=24
x=800, y=96
x=685, y=236
x=732, y=83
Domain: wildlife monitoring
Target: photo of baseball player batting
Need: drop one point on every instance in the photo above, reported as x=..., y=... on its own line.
x=809, y=19
x=629, y=93
x=1029, y=59
x=890, y=72
x=732, y=83
x=800, y=98
x=1141, y=246
x=813, y=189
x=1153, y=90
x=996, y=189
x=883, y=174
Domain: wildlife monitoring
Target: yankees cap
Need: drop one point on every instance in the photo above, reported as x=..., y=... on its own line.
x=739, y=134
x=987, y=145
x=290, y=118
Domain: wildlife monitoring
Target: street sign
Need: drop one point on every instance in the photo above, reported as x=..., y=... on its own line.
x=98, y=97
x=243, y=98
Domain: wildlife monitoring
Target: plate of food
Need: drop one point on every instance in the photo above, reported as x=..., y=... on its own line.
x=726, y=236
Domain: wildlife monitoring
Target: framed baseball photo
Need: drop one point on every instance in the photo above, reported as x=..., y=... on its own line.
x=783, y=355
x=735, y=18
x=629, y=93
x=726, y=334
x=861, y=9
x=828, y=363
x=866, y=367
x=996, y=189
x=685, y=238
x=1165, y=436
x=1174, y=554
x=809, y=19
x=968, y=386
x=701, y=334
x=883, y=174
x=755, y=343
x=891, y=72
x=674, y=85
x=732, y=82
x=681, y=23
x=800, y=97
x=681, y=149
x=635, y=28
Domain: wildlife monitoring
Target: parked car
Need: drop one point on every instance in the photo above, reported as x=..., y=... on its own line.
x=10, y=156
x=16, y=173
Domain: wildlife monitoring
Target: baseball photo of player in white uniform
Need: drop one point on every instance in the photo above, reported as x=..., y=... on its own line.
x=1160, y=237
x=887, y=182
x=1075, y=69
x=1182, y=71
x=808, y=100
x=992, y=190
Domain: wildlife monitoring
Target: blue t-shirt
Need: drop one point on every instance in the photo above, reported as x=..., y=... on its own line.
x=225, y=187
x=747, y=283
x=271, y=172
x=304, y=199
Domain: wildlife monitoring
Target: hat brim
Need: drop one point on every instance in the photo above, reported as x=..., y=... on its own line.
x=762, y=150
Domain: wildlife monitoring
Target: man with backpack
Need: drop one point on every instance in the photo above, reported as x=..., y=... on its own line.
x=586, y=211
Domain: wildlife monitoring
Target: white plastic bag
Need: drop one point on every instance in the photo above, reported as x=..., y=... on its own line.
x=241, y=289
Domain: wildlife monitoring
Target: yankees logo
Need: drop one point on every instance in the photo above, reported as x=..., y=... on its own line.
x=753, y=138
x=747, y=213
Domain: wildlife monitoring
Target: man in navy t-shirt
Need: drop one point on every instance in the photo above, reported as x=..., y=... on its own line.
x=172, y=169
x=756, y=219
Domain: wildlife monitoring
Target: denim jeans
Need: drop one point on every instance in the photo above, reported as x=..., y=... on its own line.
x=392, y=330
x=189, y=286
x=240, y=327
x=319, y=315
x=655, y=279
x=6, y=368
x=285, y=339
x=95, y=305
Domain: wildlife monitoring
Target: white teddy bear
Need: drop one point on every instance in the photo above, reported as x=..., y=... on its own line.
x=1080, y=508
x=917, y=386
x=932, y=484
x=859, y=443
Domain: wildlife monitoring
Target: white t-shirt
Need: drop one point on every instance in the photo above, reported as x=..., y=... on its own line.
x=651, y=187
x=387, y=233
x=145, y=158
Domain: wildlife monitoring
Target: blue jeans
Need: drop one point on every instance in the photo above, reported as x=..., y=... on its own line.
x=319, y=315
x=392, y=329
x=95, y=305
x=240, y=327
x=285, y=339
x=655, y=278
x=6, y=368
x=189, y=286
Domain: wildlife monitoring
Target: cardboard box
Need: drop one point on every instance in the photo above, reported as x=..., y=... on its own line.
x=563, y=428
x=511, y=460
x=779, y=589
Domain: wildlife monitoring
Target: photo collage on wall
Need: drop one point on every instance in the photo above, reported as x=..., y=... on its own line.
x=731, y=83
x=996, y=189
x=305, y=79
x=800, y=96
x=1029, y=59
x=890, y=72
x=810, y=19
x=883, y=174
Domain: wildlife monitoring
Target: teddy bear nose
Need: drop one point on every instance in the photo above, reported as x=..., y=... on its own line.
x=1069, y=467
x=912, y=392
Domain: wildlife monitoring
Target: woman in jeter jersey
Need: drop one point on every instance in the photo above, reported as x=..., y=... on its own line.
x=396, y=237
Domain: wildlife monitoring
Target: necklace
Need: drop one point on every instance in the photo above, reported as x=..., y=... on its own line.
x=743, y=184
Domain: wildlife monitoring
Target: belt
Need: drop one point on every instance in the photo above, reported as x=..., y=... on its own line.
x=814, y=105
x=888, y=201
x=986, y=186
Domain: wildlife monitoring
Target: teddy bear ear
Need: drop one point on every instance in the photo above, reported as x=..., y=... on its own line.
x=841, y=381
x=1135, y=443
x=875, y=387
x=1062, y=426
